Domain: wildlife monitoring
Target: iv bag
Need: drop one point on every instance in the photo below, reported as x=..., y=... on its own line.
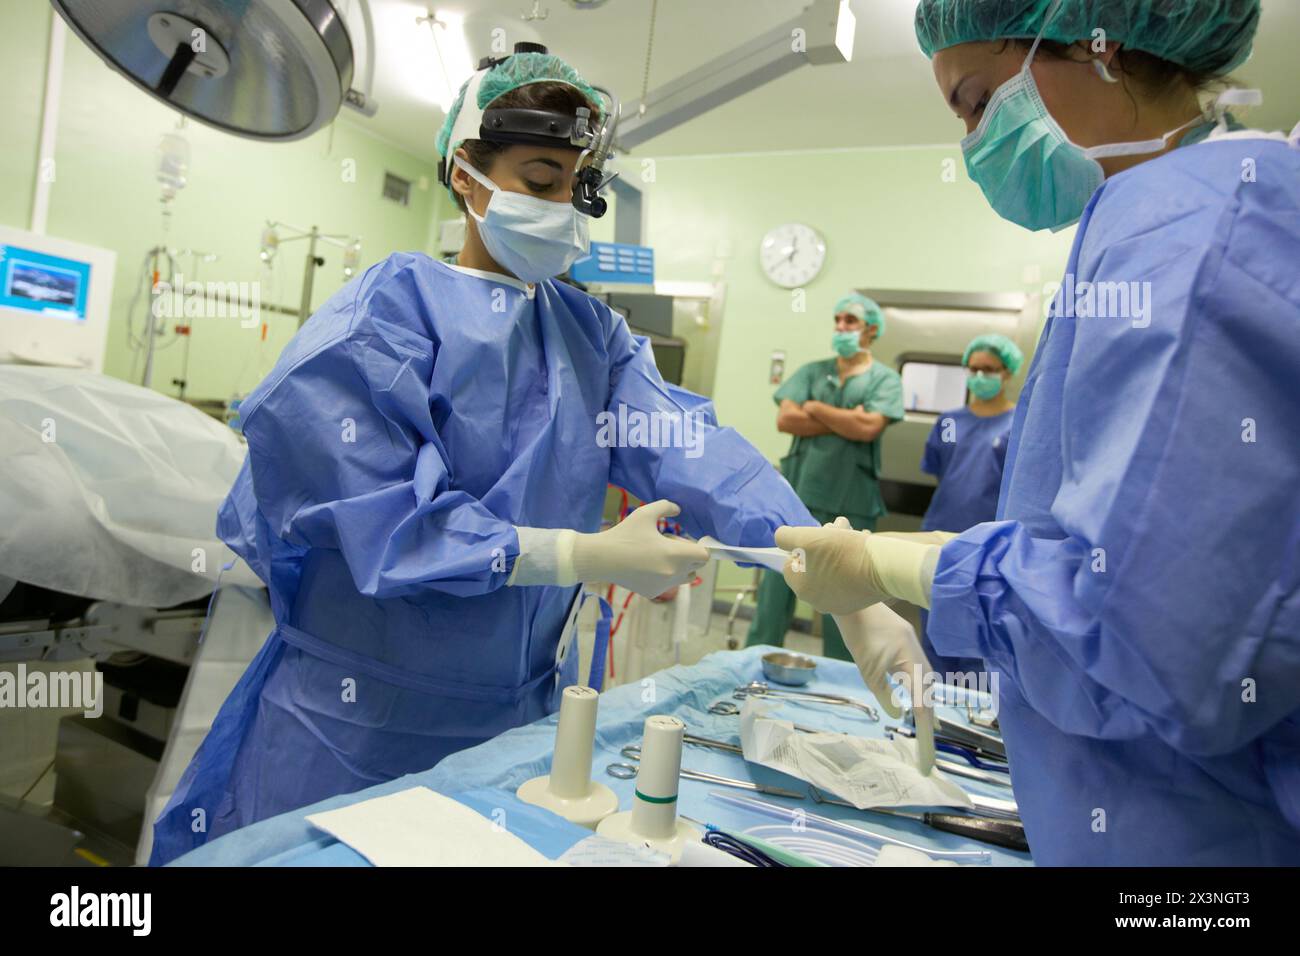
x=173, y=164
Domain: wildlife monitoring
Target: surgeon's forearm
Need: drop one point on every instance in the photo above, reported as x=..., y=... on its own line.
x=855, y=424
x=793, y=420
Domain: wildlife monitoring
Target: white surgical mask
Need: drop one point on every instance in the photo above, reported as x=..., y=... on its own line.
x=534, y=238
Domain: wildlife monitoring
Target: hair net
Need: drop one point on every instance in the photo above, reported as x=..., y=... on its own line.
x=1008, y=352
x=511, y=73
x=1212, y=36
x=864, y=308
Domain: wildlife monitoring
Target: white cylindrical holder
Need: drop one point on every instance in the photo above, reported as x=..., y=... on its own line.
x=569, y=790
x=653, y=819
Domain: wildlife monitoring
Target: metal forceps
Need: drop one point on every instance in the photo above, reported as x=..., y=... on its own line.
x=726, y=708
x=627, y=771
x=760, y=689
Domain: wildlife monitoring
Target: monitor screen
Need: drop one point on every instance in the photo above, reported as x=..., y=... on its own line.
x=933, y=387
x=49, y=285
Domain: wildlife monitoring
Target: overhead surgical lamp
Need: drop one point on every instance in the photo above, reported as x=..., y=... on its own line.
x=273, y=70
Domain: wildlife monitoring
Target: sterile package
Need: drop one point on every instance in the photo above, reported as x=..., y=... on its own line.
x=773, y=558
x=866, y=772
x=419, y=827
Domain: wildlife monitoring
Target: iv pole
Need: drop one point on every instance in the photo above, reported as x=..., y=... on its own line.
x=351, y=246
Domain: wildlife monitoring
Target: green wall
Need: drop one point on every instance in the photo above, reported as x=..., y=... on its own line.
x=105, y=194
x=890, y=218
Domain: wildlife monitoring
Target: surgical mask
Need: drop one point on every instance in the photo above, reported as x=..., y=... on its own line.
x=534, y=238
x=984, y=386
x=1029, y=170
x=847, y=344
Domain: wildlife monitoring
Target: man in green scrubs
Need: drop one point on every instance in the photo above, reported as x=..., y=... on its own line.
x=836, y=409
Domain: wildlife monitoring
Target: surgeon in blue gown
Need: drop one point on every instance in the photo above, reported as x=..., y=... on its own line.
x=966, y=451
x=425, y=482
x=1140, y=591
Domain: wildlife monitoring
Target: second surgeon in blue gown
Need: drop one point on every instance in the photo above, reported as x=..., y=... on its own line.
x=1140, y=593
x=426, y=434
x=966, y=451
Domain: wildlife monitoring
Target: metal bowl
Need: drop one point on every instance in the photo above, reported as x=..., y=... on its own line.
x=785, y=667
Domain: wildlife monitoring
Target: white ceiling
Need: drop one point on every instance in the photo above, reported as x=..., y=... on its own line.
x=885, y=97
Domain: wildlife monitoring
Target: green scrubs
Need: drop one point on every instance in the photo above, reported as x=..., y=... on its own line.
x=833, y=476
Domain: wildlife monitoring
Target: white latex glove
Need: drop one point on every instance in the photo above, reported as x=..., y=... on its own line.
x=634, y=555
x=884, y=644
x=838, y=570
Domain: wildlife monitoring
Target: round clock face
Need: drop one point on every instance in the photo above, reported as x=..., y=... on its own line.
x=792, y=255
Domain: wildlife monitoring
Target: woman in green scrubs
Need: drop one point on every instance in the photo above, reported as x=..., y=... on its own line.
x=836, y=409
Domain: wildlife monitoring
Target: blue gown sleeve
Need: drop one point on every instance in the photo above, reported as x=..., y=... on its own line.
x=344, y=455
x=931, y=460
x=723, y=484
x=1169, y=599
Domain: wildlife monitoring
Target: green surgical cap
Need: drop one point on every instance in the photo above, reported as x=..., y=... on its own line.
x=1007, y=351
x=1205, y=36
x=864, y=308
x=511, y=73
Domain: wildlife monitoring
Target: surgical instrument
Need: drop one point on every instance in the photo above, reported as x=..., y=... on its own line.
x=980, y=805
x=806, y=819
x=760, y=689
x=970, y=773
x=1003, y=832
x=1008, y=834
x=961, y=746
x=983, y=767
x=628, y=771
x=699, y=742
x=726, y=708
x=978, y=740
x=971, y=757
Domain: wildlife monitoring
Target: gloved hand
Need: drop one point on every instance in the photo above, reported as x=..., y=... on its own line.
x=883, y=644
x=634, y=555
x=838, y=570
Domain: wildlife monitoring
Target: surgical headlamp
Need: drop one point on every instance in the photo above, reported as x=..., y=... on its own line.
x=593, y=135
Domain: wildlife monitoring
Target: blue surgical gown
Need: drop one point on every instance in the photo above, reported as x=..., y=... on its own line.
x=1139, y=596
x=966, y=453
x=412, y=424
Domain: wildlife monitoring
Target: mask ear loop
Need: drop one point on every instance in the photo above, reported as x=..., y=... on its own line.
x=480, y=179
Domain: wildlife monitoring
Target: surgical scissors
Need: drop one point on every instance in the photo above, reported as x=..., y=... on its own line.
x=760, y=689
x=628, y=771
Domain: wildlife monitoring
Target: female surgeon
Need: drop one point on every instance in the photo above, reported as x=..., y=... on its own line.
x=1140, y=592
x=426, y=474
x=966, y=451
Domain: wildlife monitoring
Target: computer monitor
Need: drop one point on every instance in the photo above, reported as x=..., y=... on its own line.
x=55, y=297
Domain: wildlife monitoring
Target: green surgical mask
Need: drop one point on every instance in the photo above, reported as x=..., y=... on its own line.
x=847, y=344
x=984, y=386
x=1028, y=168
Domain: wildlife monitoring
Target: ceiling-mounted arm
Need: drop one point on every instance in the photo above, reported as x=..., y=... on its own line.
x=363, y=101
x=827, y=29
